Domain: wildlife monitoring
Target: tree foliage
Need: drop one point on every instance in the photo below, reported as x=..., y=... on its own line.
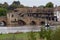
x=49, y=5
x=41, y=6
x=15, y=4
x=56, y=35
x=21, y=6
x=45, y=33
x=5, y=5
x=3, y=11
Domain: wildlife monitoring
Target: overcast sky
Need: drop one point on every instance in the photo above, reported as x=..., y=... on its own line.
x=33, y=2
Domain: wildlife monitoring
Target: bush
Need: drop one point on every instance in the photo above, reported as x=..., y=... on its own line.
x=32, y=36
x=56, y=35
x=45, y=33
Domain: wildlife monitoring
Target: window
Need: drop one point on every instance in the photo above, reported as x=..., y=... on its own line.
x=29, y=14
x=15, y=10
x=34, y=15
x=53, y=19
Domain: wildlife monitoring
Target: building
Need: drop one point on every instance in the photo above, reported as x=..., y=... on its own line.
x=32, y=16
x=57, y=13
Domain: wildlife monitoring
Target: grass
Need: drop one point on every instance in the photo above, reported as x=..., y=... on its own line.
x=25, y=36
x=22, y=36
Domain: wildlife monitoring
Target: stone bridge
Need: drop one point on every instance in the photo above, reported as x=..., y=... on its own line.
x=17, y=18
x=31, y=21
x=34, y=21
x=3, y=19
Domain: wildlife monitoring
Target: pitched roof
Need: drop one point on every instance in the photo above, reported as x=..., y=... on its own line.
x=35, y=10
x=57, y=8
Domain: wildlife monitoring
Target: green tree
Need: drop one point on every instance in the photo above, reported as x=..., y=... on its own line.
x=1, y=5
x=21, y=6
x=42, y=33
x=5, y=5
x=15, y=4
x=3, y=11
x=41, y=6
x=48, y=34
x=45, y=33
x=49, y=5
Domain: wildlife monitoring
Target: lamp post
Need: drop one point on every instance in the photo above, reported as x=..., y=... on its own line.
x=47, y=24
x=48, y=29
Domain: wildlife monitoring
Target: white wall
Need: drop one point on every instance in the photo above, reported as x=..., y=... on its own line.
x=57, y=13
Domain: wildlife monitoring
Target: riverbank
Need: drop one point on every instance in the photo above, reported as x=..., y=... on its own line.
x=17, y=36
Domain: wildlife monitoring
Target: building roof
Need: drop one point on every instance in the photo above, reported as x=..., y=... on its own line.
x=57, y=8
x=34, y=10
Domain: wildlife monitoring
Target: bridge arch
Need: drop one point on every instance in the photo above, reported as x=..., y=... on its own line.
x=21, y=22
x=32, y=23
x=3, y=23
x=42, y=22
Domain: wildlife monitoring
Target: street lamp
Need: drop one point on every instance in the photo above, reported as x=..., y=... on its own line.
x=47, y=24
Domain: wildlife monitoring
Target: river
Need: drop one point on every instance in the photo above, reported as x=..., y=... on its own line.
x=21, y=29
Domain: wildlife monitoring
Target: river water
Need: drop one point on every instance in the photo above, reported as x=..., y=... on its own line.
x=21, y=29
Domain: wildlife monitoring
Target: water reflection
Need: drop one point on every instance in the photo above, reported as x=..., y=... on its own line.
x=20, y=29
